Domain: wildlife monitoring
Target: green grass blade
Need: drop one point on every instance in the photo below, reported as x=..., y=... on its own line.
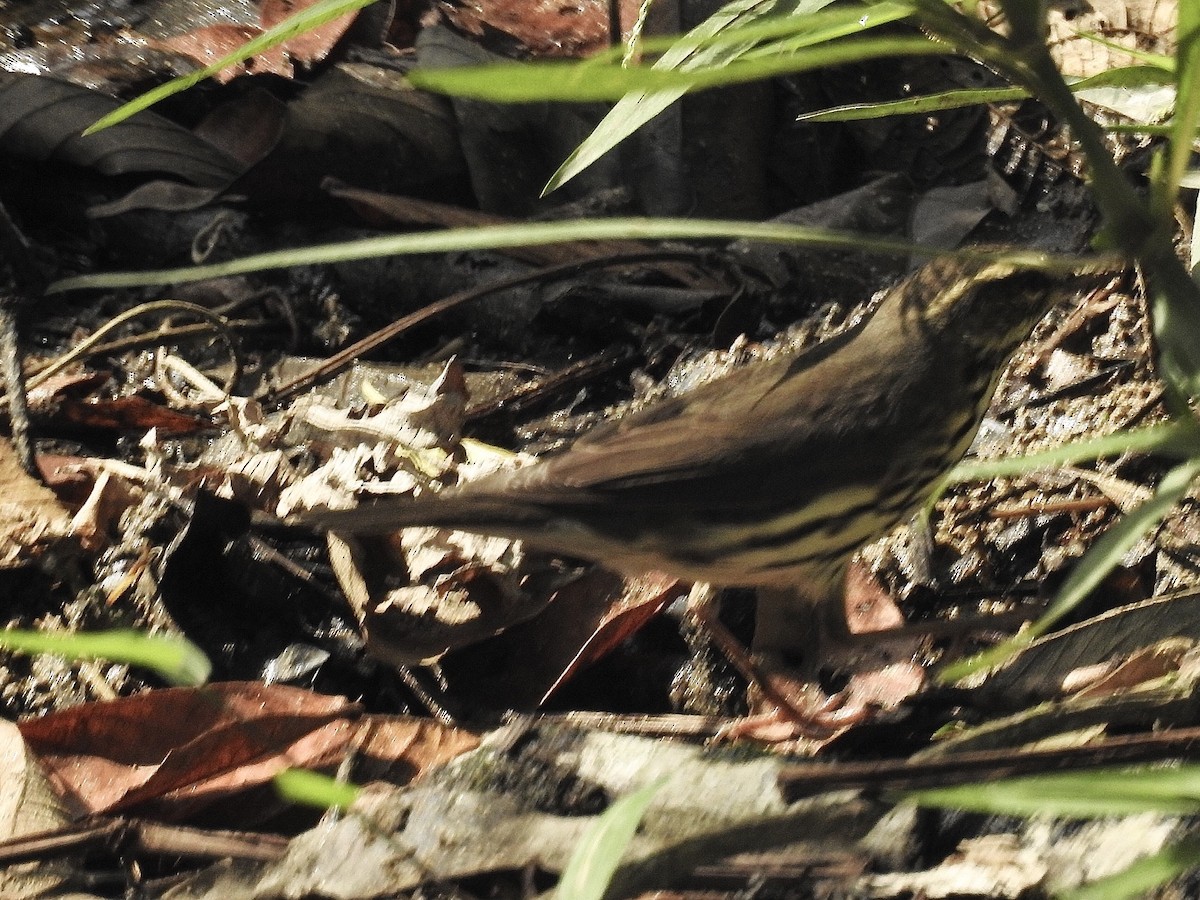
x=537, y=233
x=1187, y=105
x=176, y=659
x=813, y=28
x=1087, y=794
x=1170, y=439
x=305, y=20
x=314, y=789
x=591, y=867
x=1131, y=76
x=1144, y=875
x=775, y=38
x=635, y=110
x=566, y=81
x=1090, y=570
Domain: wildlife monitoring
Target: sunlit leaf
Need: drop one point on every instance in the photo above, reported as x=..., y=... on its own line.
x=314, y=789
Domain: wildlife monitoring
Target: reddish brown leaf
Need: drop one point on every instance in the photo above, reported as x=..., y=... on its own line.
x=542, y=27
x=127, y=412
x=117, y=754
x=211, y=43
x=398, y=748
x=173, y=752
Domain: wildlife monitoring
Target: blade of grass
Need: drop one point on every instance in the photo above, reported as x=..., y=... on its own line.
x=592, y=864
x=635, y=110
x=176, y=659
x=813, y=27
x=1144, y=875
x=564, y=82
x=536, y=233
x=1133, y=76
x=1101, y=559
x=315, y=789
x=1187, y=106
x=305, y=20
x=1086, y=795
x=1170, y=439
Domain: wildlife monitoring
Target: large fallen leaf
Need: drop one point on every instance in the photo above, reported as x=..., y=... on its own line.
x=178, y=750
x=42, y=119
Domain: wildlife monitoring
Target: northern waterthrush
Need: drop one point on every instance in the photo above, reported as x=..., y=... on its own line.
x=775, y=474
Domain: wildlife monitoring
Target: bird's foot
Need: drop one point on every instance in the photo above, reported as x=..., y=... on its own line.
x=787, y=706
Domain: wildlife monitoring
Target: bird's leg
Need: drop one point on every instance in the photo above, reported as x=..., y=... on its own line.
x=808, y=708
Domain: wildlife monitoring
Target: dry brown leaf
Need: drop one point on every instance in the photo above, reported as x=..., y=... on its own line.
x=178, y=750
x=117, y=754
x=28, y=805
x=208, y=44
x=31, y=518
x=541, y=27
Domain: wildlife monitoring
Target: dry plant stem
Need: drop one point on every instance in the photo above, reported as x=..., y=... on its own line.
x=174, y=335
x=121, y=836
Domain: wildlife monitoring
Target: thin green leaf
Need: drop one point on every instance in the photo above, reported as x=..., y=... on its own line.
x=536, y=233
x=1158, y=60
x=176, y=659
x=635, y=110
x=1174, y=300
x=813, y=28
x=1132, y=76
x=591, y=867
x=305, y=20
x=314, y=789
x=1090, y=794
x=1171, y=439
x=1101, y=559
x=1144, y=875
x=1187, y=104
x=564, y=81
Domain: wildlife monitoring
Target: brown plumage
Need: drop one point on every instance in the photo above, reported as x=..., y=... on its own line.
x=775, y=474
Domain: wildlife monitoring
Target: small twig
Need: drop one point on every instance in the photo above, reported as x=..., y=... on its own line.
x=530, y=393
x=121, y=835
x=87, y=346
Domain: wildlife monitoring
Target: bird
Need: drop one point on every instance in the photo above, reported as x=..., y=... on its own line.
x=773, y=475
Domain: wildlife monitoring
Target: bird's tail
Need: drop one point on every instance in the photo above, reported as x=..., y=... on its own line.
x=483, y=515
